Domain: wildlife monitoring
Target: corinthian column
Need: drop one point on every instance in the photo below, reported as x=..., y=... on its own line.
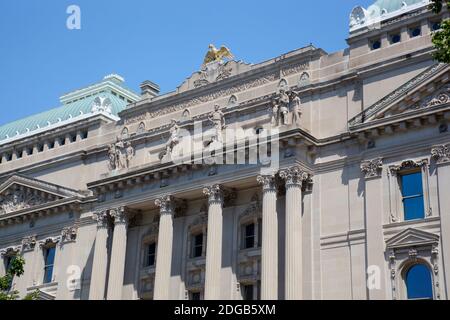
x=294, y=178
x=375, y=249
x=164, y=252
x=441, y=156
x=214, y=242
x=269, y=250
x=100, y=262
x=118, y=252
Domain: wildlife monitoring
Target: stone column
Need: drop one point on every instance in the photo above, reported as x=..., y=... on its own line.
x=118, y=253
x=375, y=273
x=100, y=262
x=441, y=155
x=269, y=250
x=68, y=265
x=214, y=242
x=164, y=251
x=294, y=178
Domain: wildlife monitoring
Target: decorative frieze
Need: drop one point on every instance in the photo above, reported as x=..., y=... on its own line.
x=19, y=200
x=372, y=168
x=120, y=154
x=296, y=68
x=441, y=154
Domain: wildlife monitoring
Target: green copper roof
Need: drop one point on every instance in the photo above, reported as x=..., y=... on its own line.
x=75, y=104
x=393, y=5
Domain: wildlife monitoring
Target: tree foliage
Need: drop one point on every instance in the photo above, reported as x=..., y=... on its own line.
x=441, y=37
x=16, y=269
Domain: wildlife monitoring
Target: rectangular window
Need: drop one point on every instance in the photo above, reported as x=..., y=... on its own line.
x=150, y=255
x=247, y=292
x=197, y=249
x=49, y=255
x=249, y=236
x=412, y=196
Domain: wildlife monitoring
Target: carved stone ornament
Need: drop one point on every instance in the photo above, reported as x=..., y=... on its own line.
x=69, y=234
x=171, y=205
x=218, y=193
x=268, y=182
x=120, y=154
x=10, y=251
x=101, y=104
x=408, y=164
x=49, y=241
x=18, y=200
x=102, y=218
x=119, y=215
x=441, y=154
x=28, y=243
x=372, y=168
x=294, y=176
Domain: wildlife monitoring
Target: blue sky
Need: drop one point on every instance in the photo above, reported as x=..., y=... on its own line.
x=162, y=41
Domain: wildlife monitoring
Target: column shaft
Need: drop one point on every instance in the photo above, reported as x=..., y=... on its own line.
x=100, y=262
x=214, y=243
x=269, y=250
x=164, y=252
x=118, y=253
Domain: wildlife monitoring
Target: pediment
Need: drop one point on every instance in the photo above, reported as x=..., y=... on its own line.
x=213, y=72
x=427, y=92
x=21, y=193
x=412, y=238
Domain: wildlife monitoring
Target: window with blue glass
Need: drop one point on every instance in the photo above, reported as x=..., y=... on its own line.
x=412, y=196
x=419, y=282
x=150, y=255
x=49, y=255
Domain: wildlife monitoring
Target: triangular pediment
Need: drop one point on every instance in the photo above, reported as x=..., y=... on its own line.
x=19, y=193
x=412, y=238
x=428, y=92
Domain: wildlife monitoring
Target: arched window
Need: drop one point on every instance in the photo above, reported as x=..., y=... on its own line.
x=418, y=282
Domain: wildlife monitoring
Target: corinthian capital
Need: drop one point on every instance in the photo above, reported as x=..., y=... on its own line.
x=215, y=193
x=101, y=217
x=268, y=182
x=294, y=176
x=372, y=168
x=441, y=154
x=171, y=205
x=119, y=215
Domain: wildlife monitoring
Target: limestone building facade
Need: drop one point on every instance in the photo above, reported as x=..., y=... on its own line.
x=307, y=176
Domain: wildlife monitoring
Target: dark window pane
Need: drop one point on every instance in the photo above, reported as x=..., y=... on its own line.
x=198, y=245
x=49, y=260
x=415, y=32
x=247, y=292
x=395, y=38
x=412, y=184
x=418, y=282
x=414, y=208
x=249, y=236
x=376, y=45
x=151, y=249
x=195, y=296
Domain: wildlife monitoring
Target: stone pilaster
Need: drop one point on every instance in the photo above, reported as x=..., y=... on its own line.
x=269, y=250
x=118, y=252
x=215, y=195
x=294, y=178
x=164, y=252
x=441, y=156
x=372, y=170
x=100, y=262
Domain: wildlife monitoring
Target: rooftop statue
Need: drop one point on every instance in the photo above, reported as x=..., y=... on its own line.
x=217, y=55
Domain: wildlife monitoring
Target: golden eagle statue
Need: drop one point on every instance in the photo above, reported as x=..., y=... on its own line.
x=217, y=55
